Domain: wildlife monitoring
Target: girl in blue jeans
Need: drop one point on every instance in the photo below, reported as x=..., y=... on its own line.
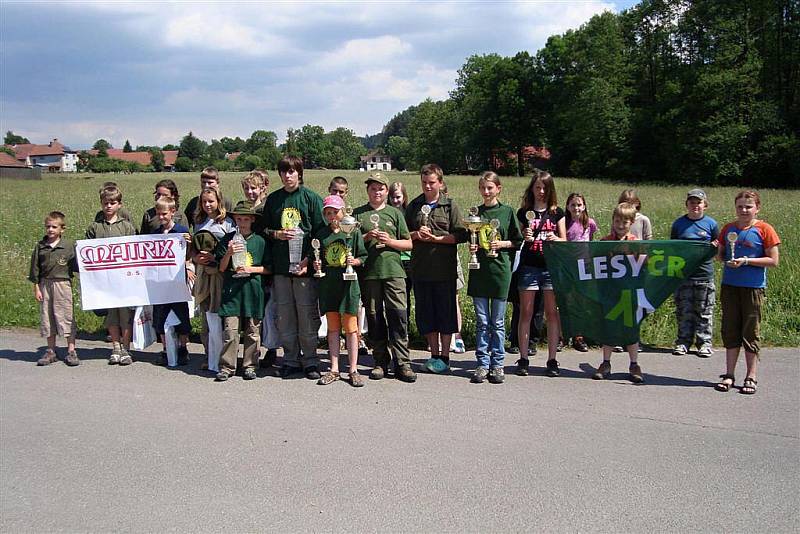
x=499, y=238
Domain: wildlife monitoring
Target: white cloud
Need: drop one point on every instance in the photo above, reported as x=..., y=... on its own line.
x=357, y=53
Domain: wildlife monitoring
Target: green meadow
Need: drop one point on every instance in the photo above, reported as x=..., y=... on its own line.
x=23, y=205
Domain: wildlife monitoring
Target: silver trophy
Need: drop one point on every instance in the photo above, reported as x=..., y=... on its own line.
x=315, y=245
x=426, y=211
x=473, y=223
x=530, y=216
x=375, y=219
x=493, y=235
x=348, y=225
x=732, y=237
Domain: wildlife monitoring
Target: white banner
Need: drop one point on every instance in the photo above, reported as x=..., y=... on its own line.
x=136, y=270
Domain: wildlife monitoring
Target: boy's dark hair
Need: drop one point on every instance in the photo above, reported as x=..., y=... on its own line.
x=56, y=216
x=629, y=196
x=341, y=180
x=173, y=189
x=432, y=169
x=210, y=172
x=291, y=163
x=110, y=193
x=107, y=184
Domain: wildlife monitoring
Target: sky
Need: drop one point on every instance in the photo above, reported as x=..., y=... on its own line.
x=152, y=71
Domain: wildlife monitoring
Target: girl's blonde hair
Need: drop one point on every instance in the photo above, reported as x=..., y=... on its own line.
x=490, y=176
x=584, y=217
x=398, y=186
x=550, y=198
x=200, y=215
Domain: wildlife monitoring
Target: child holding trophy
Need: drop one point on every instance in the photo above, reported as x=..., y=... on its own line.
x=747, y=246
x=499, y=237
x=339, y=294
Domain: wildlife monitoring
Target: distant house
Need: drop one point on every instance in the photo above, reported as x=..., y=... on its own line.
x=169, y=159
x=142, y=158
x=533, y=156
x=376, y=160
x=9, y=161
x=53, y=156
x=231, y=156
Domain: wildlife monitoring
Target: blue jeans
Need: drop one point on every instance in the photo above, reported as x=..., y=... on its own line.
x=490, y=323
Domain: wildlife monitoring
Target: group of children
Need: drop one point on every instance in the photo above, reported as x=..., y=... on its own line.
x=306, y=257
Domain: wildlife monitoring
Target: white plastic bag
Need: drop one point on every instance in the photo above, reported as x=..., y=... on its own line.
x=144, y=334
x=171, y=338
x=214, y=340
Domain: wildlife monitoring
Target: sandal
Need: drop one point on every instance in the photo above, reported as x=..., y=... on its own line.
x=726, y=383
x=328, y=378
x=355, y=379
x=749, y=386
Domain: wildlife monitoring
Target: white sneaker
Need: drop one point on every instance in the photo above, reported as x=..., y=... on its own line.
x=705, y=350
x=679, y=350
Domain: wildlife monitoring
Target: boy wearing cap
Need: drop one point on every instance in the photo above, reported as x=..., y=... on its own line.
x=435, y=236
x=295, y=292
x=242, y=296
x=383, y=280
x=695, y=297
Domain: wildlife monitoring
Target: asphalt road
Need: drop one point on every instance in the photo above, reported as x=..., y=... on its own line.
x=100, y=448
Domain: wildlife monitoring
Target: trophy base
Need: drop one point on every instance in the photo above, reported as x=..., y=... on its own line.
x=349, y=276
x=319, y=275
x=241, y=275
x=474, y=265
x=380, y=245
x=490, y=255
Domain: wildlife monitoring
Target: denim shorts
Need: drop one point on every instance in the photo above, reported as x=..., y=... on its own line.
x=533, y=278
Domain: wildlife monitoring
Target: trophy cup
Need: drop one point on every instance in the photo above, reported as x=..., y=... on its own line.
x=732, y=237
x=239, y=259
x=348, y=225
x=530, y=216
x=426, y=210
x=375, y=219
x=473, y=223
x=315, y=246
x=495, y=224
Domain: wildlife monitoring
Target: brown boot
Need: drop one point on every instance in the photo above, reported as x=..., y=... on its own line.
x=48, y=358
x=636, y=373
x=405, y=373
x=72, y=359
x=603, y=371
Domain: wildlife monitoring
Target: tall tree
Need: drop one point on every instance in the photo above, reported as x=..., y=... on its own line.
x=14, y=139
x=101, y=144
x=191, y=147
x=157, y=159
x=127, y=147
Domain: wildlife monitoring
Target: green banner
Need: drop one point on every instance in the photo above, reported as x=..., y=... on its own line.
x=605, y=288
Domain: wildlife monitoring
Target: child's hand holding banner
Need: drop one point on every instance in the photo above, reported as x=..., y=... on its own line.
x=137, y=270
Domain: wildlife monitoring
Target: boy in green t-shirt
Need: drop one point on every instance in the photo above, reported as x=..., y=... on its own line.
x=242, y=296
x=383, y=283
x=339, y=298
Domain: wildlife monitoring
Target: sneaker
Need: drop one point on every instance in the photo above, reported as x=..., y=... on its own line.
x=552, y=368
x=269, y=359
x=522, y=367
x=579, y=344
x=115, y=357
x=222, y=376
x=532, y=348
x=513, y=350
x=72, y=359
x=436, y=366
x=48, y=358
x=459, y=346
x=378, y=373
x=480, y=375
x=635, y=373
x=404, y=373
x=183, y=356
x=125, y=357
x=604, y=371
x=679, y=350
x=161, y=359
x=312, y=373
x=289, y=370
x=705, y=350
x=497, y=375
x=249, y=374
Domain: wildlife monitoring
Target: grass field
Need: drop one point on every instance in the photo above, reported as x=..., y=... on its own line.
x=23, y=205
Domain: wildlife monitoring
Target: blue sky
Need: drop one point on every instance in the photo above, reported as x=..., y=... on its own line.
x=152, y=71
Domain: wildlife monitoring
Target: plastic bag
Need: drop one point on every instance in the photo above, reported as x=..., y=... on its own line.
x=171, y=339
x=214, y=340
x=144, y=334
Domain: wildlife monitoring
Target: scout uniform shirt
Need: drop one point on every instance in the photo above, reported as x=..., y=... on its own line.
x=382, y=263
x=242, y=297
x=103, y=229
x=53, y=263
x=335, y=293
x=493, y=279
x=283, y=210
x=433, y=261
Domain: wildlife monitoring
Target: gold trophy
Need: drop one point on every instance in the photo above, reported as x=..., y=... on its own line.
x=493, y=235
x=315, y=245
x=473, y=223
x=530, y=216
x=426, y=211
x=375, y=219
x=348, y=225
x=732, y=237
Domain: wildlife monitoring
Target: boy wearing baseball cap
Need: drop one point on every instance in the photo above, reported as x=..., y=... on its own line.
x=694, y=299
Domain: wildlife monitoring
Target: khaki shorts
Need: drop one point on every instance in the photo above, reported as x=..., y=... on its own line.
x=120, y=317
x=55, y=310
x=741, y=317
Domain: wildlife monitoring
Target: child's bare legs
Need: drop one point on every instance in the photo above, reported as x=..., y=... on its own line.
x=445, y=339
x=633, y=352
x=51, y=342
x=333, y=349
x=114, y=332
x=70, y=343
x=126, y=337
x=553, y=323
x=352, y=349
x=750, y=358
x=526, y=299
